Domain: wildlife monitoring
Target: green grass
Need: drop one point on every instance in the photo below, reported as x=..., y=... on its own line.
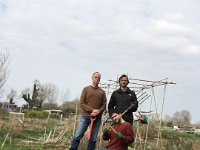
x=36, y=132
x=33, y=135
x=184, y=135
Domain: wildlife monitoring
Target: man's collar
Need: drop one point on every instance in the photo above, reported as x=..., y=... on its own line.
x=121, y=91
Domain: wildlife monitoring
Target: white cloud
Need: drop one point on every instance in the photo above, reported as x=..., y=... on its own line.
x=63, y=41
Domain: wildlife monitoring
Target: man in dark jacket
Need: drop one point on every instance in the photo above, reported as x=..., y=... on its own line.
x=122, y=98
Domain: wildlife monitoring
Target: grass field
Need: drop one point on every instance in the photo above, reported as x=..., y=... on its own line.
x=54, y=134
x=35, y=133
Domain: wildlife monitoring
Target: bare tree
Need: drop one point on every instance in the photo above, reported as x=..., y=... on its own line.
x=25, y=91
x=71, y=106
x=40, y=94
x=32, y=101
x=182, y=118
x=168, y=121
x=4, y=61
x=11, y=96
x=48, y=93
x=65, y=96
x=186, y=117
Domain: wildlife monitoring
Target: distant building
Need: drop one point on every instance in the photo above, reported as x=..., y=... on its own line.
x=9, y=107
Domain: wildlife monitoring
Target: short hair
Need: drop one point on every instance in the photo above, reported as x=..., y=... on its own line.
x=122, y=76
x=95, y=73
x=117, y=111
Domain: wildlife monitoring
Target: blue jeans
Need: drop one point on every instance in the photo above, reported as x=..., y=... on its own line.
x=84, y=122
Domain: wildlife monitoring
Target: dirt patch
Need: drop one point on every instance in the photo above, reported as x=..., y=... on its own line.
x=196, y=145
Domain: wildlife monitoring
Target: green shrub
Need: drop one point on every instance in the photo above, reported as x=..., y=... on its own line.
x=177, y=140
x=68, y=111
x=178, y=144
x=35, y=114
x=170, y=134
x=54, y=115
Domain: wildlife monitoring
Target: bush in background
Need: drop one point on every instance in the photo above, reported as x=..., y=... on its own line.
x=35, y=114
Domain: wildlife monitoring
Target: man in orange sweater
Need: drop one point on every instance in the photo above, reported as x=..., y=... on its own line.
x=93, y=103
x=120, y=135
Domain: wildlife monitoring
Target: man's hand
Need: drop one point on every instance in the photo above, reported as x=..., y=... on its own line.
x=118, y=135
x=95, y=112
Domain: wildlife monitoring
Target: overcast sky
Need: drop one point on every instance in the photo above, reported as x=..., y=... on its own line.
x=64, y=41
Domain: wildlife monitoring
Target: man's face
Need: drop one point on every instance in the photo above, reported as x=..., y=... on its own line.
x=123, y=82
x=116, y=117
x=96, y=78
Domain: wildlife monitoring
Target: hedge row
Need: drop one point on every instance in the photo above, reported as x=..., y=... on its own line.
x=39, y=114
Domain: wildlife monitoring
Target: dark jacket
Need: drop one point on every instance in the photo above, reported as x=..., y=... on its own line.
x=121, y=100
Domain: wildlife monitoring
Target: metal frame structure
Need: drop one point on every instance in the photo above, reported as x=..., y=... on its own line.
x=145, y=90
